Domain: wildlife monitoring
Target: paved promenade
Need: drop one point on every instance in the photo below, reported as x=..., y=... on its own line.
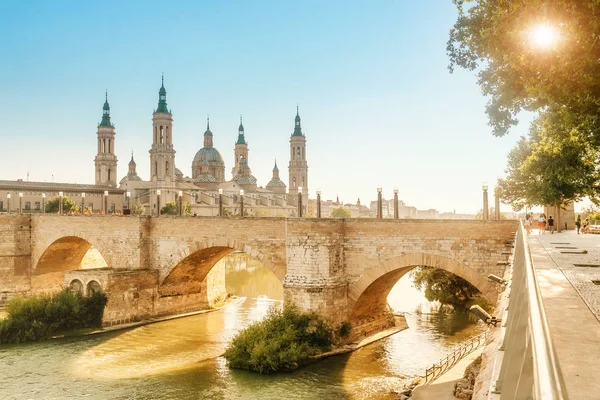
x=567, y=265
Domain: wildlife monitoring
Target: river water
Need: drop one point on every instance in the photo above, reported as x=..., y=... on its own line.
x=180, y=359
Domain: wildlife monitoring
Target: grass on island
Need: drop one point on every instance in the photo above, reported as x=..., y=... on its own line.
x=41, y=317
x=283, y=341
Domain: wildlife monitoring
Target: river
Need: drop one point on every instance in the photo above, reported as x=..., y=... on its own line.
x=180, y=359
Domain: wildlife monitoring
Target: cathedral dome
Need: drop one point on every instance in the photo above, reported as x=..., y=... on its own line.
x=209, y=154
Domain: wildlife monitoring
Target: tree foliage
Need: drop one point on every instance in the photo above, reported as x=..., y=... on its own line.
x=52, y=206
x=283, y=341
x=40, y=317
x=494, y=37
x=554, y=165
x=443, y=286
x=340, y=212
x=172, y=208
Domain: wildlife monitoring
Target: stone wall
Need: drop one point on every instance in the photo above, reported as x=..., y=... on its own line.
x=15, y=256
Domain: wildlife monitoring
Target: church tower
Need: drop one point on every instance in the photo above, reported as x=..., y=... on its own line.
x=106, y=161
x=162, y=153
x=240, y=150
x=298, y=168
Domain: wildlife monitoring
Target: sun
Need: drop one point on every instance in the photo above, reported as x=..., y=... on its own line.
x=543, y=36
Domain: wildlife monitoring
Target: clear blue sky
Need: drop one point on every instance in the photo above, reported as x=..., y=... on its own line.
x=377, y=102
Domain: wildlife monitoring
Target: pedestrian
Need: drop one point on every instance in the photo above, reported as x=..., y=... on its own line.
x=586, y=226
x=541, y=223
x=578, y=223
x=528, y=223
x=551, y=224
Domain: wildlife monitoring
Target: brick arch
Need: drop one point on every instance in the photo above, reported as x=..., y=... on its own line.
x=61, y=255
x=367, y=297
x=186, y=275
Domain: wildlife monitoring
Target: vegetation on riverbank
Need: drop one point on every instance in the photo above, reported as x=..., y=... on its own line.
x=447, y=288
x=283, y=341
x=41, y=317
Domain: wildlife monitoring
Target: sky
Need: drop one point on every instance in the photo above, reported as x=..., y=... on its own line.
x=378, y=104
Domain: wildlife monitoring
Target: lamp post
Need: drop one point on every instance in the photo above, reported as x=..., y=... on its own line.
x=379, y=203
x=43, y=203
x=242, y=202
x=8, y=201
x=20, y=203
x=484, y=187
x=82, y=202
x=180, y=203
x=60, y=203
x=105, y=202
x=318, y=203
x=158, y=201
x=300, y=201
x=496, y=204
x=220, y=202
x=128, y=195
x=396, y=211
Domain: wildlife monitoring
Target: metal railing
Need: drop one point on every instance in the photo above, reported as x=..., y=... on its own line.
x=451, y=359
x=528, y=366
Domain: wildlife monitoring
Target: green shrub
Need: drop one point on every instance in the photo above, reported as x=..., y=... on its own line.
x=40, y=317
x=283, y=341
x=344, y=329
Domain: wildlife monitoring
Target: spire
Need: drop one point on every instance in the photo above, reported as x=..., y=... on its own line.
x=105, y=112
x=208, y=136
x=297, y=127
x=132, y=160
x=241, y=139
x=162, y=98
x=275, y=169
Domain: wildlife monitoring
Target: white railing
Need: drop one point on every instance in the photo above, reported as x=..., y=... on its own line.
x=460, y=352
x=528, y=366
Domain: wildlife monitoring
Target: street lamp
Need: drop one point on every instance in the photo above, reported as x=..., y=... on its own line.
x=8, y=201
x=60, y=203
x=396, y=211
x=82, y=201
x=180, y=203
x=158, y=201
x=20, y=203
x=300, y=201
x=484, y=187
x=43, y=203
x=105, y=202
x=242, y=202
x=496, y=203
x=220, y=202
x=318, y=203
x=379, y=203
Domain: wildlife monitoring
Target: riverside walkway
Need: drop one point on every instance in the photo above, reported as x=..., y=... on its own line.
x=567, y=265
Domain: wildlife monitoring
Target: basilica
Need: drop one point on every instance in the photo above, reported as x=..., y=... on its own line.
x=207, y=177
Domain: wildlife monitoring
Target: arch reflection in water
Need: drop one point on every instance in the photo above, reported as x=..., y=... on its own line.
x=186, y=343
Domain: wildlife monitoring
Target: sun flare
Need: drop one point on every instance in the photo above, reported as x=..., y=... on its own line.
x=543, y=36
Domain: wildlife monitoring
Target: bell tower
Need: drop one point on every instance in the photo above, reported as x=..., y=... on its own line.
x=298, y=167
x=162, y=153
x=106, y=162
x=240, y=150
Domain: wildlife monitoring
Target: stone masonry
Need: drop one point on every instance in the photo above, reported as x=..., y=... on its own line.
x=343, y=269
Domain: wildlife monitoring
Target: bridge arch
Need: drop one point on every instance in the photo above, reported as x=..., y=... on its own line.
x=367, y=297
x=64, y=254
x=187, y=275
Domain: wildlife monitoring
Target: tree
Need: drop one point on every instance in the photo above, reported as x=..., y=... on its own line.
x=137, y=209
x=340, y=212
x=497, y=37
x=172, y=208
x=554, y=165
x=443, y=286
x=52, y=206
x=491, y=214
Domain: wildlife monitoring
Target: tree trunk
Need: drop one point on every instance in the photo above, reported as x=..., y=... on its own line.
x=558, y=221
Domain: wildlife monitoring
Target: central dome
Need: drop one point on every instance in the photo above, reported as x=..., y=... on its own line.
x=209, y=154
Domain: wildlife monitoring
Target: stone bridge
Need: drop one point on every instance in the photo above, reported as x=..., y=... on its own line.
x=343, y=269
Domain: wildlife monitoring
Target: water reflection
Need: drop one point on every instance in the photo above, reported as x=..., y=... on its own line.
x=180, y=359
